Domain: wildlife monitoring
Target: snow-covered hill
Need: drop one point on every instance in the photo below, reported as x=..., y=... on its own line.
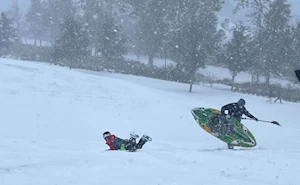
x=52, y=120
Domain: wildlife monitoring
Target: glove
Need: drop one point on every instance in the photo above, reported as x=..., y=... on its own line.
x=255, y=119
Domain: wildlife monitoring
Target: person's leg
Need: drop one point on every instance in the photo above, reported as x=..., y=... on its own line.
x=143, y=140
x=130, y=145
x=133, y=137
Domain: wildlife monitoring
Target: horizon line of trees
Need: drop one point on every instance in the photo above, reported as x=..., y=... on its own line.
x=184, y=31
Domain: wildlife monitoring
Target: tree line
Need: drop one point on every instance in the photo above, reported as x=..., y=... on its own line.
x=99, y=32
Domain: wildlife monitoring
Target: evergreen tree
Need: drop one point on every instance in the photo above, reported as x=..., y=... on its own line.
x=110, y=44
x=255, y=61
x=194, y=35
x=275, y=38
x=237, y=55
x=54, y=14
x=257, y=11
x=103, y=31
x=72, y=45
x=152, y=27
x=16, y=15
x=93, y=15
x=34, y=18
x=7, y=35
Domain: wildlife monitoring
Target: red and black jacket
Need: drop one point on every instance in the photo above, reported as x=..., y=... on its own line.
x=114, y=142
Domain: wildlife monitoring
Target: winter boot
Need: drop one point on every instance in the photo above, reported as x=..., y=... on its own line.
x=147, y=138
x=143, y=140
x=133, y=136
x=230, y=146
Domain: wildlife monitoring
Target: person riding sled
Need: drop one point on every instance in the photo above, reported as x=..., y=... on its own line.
x=116, y=143
x=226, y=124
x=236, y=110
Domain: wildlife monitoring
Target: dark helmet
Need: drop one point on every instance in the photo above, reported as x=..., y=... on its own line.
x=241, y=102
x=106, y=135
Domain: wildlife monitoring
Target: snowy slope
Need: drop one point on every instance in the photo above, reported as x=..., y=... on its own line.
x=52, y=120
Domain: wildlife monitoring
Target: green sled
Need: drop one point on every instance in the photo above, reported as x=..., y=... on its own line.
x=231, y=131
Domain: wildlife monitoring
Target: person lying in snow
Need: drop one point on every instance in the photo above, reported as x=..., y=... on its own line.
x=116, y=143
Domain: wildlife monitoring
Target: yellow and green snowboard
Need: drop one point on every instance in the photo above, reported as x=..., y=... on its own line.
x=231, y=131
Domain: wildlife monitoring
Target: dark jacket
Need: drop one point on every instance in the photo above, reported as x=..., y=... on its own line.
x=235, y=111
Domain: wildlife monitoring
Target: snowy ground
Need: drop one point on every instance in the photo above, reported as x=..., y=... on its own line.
x=52, y=120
